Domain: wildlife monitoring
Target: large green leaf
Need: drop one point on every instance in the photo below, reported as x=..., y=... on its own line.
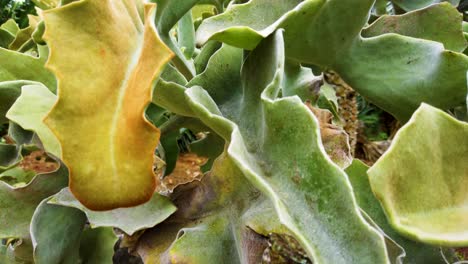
x=17, y=205
x=293, y=171
x=424, y=24
x=421, y=180
x=226, y=62
x=245, y=25
x=97, y=245
x=408, y=71
x=29, y=111
x=121, y=87
x=326, y=36
x=55, y=233
x=415, y=252
x=169, y=91
x=19, y=66
x=9, y=92
x=128, y=220
x=398, y=64
x=60, y=235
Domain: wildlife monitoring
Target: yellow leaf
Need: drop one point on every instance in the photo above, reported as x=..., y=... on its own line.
x=106, y=55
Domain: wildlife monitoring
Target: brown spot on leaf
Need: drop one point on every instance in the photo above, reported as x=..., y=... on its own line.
x=187, y=169
x=102, y=52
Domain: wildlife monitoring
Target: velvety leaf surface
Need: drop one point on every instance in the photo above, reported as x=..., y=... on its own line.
x=424, y=24
x=421, y=71
x=300, y=81
x=169, y=91
x=128, y=220
x=29, y=111
x=106, y=147
x=186, y=35
x=17, y=205
x=201, y=60
x=226, y=62
x=410, y=5
x=415, y=252
x=9, y=92
x=55, y=233
x=327, y=37
x=395, y=252
x=97, y=245
x=245, y=25
x=20, y=66
x=421, y=179
x=293, y=171
x=399, y=64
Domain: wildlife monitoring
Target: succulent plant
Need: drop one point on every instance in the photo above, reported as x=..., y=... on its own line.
x=217, y=131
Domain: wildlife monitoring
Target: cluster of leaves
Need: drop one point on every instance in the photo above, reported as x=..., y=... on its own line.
x=206, y=131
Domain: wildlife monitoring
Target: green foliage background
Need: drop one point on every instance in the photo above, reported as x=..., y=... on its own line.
x=16, y=10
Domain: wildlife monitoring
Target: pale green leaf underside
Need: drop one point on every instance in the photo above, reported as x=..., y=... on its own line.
x=128, y=220
x=29, y=111
x=416, y=252
x=9, y=92
x=421, y=180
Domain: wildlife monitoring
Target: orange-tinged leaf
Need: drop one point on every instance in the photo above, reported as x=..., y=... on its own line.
x=106, y=55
